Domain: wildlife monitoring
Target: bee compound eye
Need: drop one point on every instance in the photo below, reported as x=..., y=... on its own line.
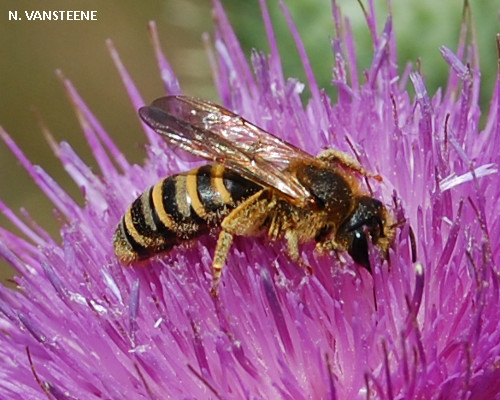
x=358, y=249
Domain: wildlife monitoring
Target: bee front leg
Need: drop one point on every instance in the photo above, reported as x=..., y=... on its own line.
x=333, y=156
x=328, y=246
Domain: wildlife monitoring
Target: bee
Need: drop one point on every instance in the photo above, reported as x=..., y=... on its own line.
x=257, y=184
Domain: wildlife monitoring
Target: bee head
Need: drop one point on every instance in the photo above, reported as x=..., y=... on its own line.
x=368, y=221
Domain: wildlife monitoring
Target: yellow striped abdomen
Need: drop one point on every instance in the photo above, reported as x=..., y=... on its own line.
x=179, y=208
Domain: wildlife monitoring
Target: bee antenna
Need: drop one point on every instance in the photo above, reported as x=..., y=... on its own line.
x=413, y=242
x=398, y=223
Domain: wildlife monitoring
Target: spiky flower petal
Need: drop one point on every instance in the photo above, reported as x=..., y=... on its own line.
x=83, y=327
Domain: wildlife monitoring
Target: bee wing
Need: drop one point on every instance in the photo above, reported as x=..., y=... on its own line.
x=212, y=132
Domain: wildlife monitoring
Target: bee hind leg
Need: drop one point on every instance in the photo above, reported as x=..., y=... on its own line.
x=223, y=245
x=245, y=220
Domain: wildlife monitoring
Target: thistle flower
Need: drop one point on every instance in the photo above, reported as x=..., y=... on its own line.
x=81, y=326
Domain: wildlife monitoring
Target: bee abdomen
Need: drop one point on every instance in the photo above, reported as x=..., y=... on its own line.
x=179, y=208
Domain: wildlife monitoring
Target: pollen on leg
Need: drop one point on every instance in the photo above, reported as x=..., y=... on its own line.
x=223, y=245
x=292, y=242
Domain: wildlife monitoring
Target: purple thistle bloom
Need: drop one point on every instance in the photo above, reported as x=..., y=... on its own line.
x=83, y=327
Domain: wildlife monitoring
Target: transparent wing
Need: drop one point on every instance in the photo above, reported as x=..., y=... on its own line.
x=212, y=132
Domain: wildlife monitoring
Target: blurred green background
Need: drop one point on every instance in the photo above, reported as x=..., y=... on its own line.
x=32, y=50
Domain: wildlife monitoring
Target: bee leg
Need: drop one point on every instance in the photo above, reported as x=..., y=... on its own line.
x=223, y=246
x=338, y=157
x=292, y=242
x=245, y=220
x=327, y=246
